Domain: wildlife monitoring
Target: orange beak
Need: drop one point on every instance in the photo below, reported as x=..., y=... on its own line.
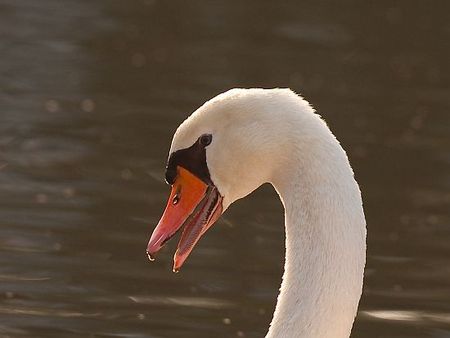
x=193, y=205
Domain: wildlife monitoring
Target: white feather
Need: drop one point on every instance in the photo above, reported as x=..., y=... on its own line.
x=274, y=135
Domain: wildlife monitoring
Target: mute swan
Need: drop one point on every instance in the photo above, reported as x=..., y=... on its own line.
x=246, y=137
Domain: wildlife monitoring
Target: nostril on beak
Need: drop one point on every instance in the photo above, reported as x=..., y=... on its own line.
x=150, y=256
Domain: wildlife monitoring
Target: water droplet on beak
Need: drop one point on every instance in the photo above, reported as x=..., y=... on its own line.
x=151, y=258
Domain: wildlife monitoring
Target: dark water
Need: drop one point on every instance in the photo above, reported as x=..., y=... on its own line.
x=90, y=95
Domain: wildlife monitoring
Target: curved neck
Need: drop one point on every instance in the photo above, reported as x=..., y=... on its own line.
x=325, y=246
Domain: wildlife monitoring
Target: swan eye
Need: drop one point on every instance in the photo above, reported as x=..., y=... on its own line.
x=205, y=139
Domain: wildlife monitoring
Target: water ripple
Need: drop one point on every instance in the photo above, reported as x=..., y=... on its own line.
x=205, y=303
x=409, y=316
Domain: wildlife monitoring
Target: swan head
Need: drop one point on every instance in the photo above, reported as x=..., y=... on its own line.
x=222, y=152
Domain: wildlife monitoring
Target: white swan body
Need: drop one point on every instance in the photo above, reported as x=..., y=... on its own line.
x=274, y=136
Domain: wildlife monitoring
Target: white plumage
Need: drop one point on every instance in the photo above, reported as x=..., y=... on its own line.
x=274, y=135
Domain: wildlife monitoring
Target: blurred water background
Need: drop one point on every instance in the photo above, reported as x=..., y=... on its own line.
x=90, y=95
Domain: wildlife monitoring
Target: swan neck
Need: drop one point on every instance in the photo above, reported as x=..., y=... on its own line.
x=325, y=248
